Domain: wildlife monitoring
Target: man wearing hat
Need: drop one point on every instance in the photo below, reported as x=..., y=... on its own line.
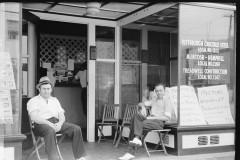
x=48, y=117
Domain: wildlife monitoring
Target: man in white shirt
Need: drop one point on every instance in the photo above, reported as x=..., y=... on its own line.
x=160, y=112
x=82, y=76
x=48, y=117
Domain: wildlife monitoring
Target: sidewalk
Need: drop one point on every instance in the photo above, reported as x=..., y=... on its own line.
x=105, y=151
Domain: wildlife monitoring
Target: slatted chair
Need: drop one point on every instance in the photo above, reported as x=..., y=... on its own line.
x=38, y=142
x=110, y=118
x=161, y=133
x=130, y=110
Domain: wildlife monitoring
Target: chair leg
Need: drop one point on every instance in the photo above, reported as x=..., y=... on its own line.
x=35, y=148
x=59, y=153
x=116, y=131
x=160, y=137
x=144, y=144
x=119, y=137
x=101, y=133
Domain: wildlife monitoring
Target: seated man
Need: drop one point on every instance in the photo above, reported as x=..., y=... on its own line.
x=161, y=111
x=48, y=117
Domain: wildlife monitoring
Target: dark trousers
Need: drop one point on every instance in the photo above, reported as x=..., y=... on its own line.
x=72, y=130
x=138, y=123
x=84, y=100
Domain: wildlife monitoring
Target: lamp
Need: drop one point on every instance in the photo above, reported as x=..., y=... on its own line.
x=93, y=7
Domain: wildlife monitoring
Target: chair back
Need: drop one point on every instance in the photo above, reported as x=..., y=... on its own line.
x=130, y=110
x=110, y=113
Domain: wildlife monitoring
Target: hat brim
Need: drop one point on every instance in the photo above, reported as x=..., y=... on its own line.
x=44, y=82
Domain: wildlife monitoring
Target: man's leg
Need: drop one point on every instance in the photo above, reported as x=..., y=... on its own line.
x=136, y=126
x=136, y=129
x=49, y=135
x=75, y=133
x=84, y=100
x=153, y=124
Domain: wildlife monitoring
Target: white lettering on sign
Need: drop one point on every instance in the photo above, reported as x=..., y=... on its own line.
x=214, y=102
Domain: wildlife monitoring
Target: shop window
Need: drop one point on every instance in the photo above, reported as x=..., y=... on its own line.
x=10, y=84
x=12, y=27
x=105, y=69
x=130, y=88
x=207, y=66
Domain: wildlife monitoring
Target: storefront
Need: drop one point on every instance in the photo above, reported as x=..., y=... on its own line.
x=191, y=47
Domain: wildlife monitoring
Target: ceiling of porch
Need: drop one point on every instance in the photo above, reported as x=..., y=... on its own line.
x=111, y=11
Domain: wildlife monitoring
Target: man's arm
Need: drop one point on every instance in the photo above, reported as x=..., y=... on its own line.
x=61, y=117
x=37, y=119
x=163, y=118
x=74, y=80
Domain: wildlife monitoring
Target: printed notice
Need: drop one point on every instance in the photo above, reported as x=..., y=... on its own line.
x=190, y=111
x=214, y=102
x=5, y=107
x=6, y=72
x=127, y=77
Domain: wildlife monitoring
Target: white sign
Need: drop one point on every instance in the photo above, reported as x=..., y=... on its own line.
x=127, y=77
x=190, y=111
x=214, y=102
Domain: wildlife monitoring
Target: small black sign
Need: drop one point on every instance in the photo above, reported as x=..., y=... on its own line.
x=93, y=52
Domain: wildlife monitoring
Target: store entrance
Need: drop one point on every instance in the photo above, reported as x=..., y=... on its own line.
x=61, y=54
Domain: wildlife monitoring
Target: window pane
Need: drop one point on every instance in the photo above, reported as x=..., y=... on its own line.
x=130, y=89
x=104, y=86
x=208, y=61
x=105, y=42
x=10, y=85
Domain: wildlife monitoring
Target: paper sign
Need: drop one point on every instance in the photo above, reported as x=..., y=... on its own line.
x=127, y=77
x=214, y=102
x=190, y=111
x=5, y=107
x=70, y=64
x=6, y=72
x=46, y=65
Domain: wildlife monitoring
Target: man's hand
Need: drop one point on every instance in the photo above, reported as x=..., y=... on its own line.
x=54, y=126
x=142, y=109
x=58, y=126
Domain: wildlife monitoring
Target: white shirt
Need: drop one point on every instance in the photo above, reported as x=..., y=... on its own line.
x=45, y=110
x=161, y=107
x=82, y=75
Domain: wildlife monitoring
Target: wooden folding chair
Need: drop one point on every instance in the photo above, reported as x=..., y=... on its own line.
x=110, y=118
x=38, y=142
x=130, y=110
x=162, y=134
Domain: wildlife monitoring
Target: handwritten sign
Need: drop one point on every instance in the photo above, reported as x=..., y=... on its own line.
x=7, y=80
x=6, y=115
x=214, y=102
x=190, y=111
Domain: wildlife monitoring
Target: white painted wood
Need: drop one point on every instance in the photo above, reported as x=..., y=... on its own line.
x=213, y=5
x=118, y=47
x=3, y=25
x=32, y=52
x=72, y=19
x=91, y=86
x=144, y=45
x=191, y=141
x=144, y=13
